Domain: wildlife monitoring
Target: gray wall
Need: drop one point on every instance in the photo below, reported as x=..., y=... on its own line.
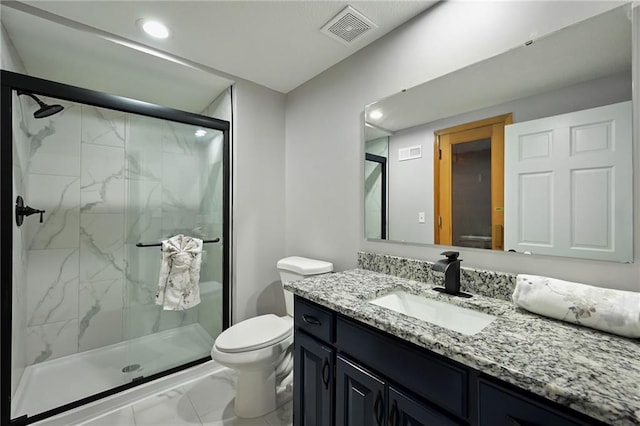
x=258, y=205
x=324, y=150
x=411, y=188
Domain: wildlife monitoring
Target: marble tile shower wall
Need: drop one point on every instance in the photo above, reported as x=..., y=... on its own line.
x=87, y=285
x=499, y=285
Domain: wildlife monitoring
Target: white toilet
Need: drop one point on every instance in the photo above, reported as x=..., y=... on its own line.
x=260, y=349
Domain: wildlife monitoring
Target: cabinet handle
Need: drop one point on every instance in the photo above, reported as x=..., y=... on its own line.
x=311, y=319
x=377, y=409
x=325, y=373
x=394, y=416
x=512, y=421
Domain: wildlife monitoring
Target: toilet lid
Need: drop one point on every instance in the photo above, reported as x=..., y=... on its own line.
x=254, y=333
x=304, y=266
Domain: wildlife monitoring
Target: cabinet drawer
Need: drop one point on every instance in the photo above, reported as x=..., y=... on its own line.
x=314, y=319
x=429, y=376
x=499, y=406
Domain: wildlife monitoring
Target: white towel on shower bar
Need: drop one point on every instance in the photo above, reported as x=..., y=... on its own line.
x=614, y=311
x=178, y=285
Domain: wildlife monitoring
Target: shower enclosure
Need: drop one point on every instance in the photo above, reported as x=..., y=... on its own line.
x=90, y=186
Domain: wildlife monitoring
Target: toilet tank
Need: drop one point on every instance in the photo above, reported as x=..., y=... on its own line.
x=296, y=268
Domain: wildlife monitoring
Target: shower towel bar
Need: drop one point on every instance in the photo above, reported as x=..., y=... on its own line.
x=215, y=240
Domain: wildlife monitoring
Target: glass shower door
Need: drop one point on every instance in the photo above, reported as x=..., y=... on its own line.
x=112, y=183
x=174, y=187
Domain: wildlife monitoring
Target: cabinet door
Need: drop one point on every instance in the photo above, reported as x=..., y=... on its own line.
x=360, y=398
x=405, y=410
x=313, y=382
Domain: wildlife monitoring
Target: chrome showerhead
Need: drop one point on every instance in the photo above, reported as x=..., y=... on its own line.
x=45, y=110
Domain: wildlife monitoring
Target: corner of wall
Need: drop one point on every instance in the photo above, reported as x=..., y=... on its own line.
x=11, y=60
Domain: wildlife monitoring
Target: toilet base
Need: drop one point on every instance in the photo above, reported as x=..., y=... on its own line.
x=255, y=393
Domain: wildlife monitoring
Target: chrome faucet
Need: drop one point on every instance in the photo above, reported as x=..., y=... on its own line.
x=451, y=268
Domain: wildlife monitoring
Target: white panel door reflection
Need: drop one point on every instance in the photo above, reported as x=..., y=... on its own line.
x=568, y=189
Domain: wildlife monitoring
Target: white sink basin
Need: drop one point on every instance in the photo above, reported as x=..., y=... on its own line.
x=463, y=320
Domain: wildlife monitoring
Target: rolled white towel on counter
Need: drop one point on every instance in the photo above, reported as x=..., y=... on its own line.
x=613, y=311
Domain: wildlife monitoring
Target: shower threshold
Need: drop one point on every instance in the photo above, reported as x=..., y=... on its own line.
x=54, y=383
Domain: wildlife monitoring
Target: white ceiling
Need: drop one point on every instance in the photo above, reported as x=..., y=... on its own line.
x=277, y=44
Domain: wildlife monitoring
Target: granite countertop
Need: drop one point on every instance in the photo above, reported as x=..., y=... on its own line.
x=592, y=372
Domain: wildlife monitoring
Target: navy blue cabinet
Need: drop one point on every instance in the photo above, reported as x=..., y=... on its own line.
x=347, y=373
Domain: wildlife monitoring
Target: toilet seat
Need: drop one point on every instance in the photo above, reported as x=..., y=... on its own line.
x=254, y=333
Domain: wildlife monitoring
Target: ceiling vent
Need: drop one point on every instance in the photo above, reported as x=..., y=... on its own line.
x=348, y=26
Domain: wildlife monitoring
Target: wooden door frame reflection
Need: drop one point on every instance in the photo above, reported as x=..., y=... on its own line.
x=489, y=128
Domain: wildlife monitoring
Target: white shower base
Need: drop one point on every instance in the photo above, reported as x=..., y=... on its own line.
x=54, y=383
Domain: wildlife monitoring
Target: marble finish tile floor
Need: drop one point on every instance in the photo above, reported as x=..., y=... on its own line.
x=205, y=402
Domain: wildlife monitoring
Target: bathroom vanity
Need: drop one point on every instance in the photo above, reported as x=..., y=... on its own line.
x=357, y=363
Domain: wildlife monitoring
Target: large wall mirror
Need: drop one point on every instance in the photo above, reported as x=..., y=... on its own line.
x=529, y=151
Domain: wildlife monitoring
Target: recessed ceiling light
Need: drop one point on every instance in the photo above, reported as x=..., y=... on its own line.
x=375, y=114
x=154, y=28
x=201, y=132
